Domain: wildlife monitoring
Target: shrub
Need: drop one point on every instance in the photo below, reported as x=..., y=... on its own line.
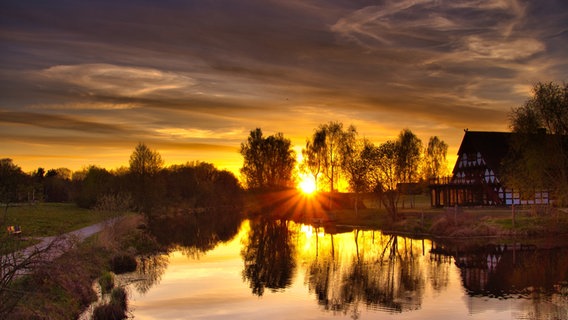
x=106, y=281
x=115, y=309
x=119, y=297
x=109, y=312
x=123, y=263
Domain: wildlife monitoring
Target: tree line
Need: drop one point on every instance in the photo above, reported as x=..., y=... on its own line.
x=538, y=156
x=334, y=153
x=144, y=186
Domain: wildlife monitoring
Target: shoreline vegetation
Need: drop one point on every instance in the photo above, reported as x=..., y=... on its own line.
x=63, y=288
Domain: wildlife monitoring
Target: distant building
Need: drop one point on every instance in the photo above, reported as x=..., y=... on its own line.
x=476, y=178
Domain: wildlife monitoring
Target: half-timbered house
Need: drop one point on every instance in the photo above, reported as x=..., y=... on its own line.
x=476, y=177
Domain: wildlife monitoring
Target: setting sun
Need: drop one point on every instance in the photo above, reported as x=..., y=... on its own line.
x=307, y=185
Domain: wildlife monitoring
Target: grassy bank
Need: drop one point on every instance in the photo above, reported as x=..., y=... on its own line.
x=466, y=222
x=63, y=288
x=51, y=219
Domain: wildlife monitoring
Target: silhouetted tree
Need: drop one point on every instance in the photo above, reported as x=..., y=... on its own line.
x=539, y=151
x=331, y=140
x=145, y=165
x=13, y=184
x=57, y=185
x=96, y=183
x=384, y=175
x=268, y=162
x=313, y=156
x=357, y=166
x=408, y=160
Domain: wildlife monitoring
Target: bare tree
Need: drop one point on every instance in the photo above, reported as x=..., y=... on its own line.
x=16, y=262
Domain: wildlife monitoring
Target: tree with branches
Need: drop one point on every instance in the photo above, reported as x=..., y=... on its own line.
x=268, y=162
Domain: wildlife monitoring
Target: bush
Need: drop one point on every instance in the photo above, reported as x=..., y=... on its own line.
x=109, y=312
x=115, y=309
x=106, y=281
x=123, y=263
x=119, y=297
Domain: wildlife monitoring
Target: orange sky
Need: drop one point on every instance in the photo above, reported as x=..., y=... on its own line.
x=82, y=83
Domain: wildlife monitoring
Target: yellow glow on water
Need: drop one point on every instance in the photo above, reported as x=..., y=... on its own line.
x=331, y=272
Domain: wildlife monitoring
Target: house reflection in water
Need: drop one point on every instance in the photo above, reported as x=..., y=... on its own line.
x=510, y=269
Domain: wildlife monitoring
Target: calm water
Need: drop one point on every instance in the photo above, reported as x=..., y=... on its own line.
x=284, y=270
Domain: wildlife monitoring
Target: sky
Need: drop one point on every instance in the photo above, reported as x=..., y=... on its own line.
x=83, y=82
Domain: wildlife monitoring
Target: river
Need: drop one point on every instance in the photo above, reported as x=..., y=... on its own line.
x=274, y=270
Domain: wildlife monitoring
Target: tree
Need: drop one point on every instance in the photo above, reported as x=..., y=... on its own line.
x=385, y=176
x=268, y=162
x=57, y=185
x=408, y=155
x=13, y=184
x=96, y=183
x=539, y=149
x=313, y=156
x=335, y=139
x=145, y=164
x=357, y=165
x=435, y=163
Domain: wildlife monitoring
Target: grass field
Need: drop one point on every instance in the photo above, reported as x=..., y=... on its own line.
x=50, y=219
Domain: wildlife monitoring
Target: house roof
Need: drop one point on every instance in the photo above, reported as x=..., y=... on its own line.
x=493, y=146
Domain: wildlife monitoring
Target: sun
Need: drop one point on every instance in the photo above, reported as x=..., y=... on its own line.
x=307, y=185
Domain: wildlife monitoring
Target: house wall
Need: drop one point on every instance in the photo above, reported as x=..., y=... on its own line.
x=474, y=183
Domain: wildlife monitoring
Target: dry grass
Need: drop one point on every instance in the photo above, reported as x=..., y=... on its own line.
x=64, y=288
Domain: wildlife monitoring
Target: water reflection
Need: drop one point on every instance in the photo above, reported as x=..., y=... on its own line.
x=192, y=233
x=269, y=255
x=509, y=269
x=196, y=232
x=367, y=267
x=351, y=273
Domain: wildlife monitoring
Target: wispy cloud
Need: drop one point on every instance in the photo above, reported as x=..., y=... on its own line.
x=189, y=76
x=107, y=79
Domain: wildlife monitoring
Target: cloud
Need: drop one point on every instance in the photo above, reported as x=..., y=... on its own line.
x=108, y=79
x=487, y=29
x=202, y=74
x=84, y=105
x=60, y=122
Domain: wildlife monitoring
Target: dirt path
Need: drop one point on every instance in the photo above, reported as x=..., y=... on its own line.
x=48, y=249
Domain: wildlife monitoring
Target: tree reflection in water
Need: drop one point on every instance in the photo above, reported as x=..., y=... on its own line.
x=353, y=272
x=382, y=271
x=191, y=232
x=269, y=255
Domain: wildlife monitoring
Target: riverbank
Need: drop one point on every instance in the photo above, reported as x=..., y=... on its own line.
x=63, y=288
x=337, y=210
x=456, y=223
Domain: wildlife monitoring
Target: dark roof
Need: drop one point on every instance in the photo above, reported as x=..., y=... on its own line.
x=493, y=146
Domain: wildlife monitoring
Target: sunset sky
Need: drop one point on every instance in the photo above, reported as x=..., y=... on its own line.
x=82, y=82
